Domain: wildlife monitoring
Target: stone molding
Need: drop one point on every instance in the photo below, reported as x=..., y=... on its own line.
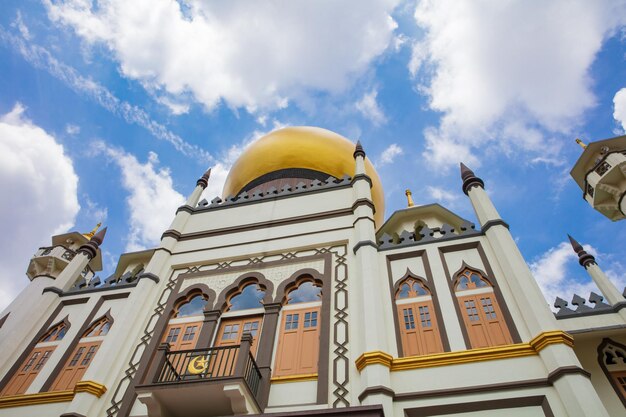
x=465, y=356
x=89, y=387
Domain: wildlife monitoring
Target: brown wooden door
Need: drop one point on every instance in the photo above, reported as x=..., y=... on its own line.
x=28, y=370
x=418, y=329
x=298, y=345
x=182, y=336
x=231, y=331
x=620, y=379
x=484, y=321
x=223, y=360
x=76, y=366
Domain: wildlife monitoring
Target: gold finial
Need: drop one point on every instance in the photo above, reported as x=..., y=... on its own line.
x=409, y=198
x=93, y=232
x=581, y=143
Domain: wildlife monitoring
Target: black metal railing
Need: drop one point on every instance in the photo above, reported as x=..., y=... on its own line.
x=209, y=364
x=252, y=375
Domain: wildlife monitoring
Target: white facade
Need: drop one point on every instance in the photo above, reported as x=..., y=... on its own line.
x=548, y=366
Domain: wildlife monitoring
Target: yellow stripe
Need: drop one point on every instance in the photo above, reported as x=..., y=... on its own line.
x=21, y=400
x=293, y=378
x=465, y=356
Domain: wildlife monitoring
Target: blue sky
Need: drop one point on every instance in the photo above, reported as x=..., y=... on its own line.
x=110, y=111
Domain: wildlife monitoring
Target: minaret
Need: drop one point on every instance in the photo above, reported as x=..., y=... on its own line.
x=35, y=303
x=600, y=172
x=103, y=369
x=606, y=287
x=373, y=335
x=578, y=395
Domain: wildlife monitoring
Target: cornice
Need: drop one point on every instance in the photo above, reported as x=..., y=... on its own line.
x=90, y=387
x=465, y=356
x=293, y=378
x=21, y=400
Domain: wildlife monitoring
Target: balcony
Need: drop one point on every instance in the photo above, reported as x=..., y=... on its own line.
x=215, y=381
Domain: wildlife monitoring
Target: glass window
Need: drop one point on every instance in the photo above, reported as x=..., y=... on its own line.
x=425, y=316
x=172, y=336
x=306, y=292
x=193, y=307
x=404, y=291
x=310, y=319
x=291, y=323
x=251, y=327
x=409, y=320
x=31, y=361
x=77, y=356
x=250, y=297
x=190, y=333
x=89, y=355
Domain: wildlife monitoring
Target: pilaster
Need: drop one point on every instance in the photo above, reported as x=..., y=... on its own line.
x=135, y=313
x=374, y=326
x=33, y=305
x=576, y=391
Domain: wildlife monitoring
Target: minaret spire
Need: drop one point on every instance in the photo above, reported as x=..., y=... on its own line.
x=409, y=198
x=470, y=179
x=203, y=181
x=91, y=248
x=358, y=150
x=584, y=259
x=606, y=287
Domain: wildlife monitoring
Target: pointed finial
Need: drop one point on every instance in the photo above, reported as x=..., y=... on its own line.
x=584, y=259
x=91, y=248
x=93, y=231
x=409, y=198
x=581, y=143
x=469, y=179
x=358, y=150
x=203, y=181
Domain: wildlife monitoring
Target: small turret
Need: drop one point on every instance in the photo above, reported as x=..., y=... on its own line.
x=600, y=172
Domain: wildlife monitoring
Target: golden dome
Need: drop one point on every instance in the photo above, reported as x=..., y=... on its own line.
x=305, y=147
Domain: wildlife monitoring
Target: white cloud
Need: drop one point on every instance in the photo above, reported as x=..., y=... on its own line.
x=41, y=58
x=152, y=199
x=368, y=107
x=94, y=212
x=389, y=154
x=441, y=195
x=503, y=73
x=550, y=271
x=19, y=24
x=71, y=129
x=38, y=186
x=248, y=54
x=619, y=112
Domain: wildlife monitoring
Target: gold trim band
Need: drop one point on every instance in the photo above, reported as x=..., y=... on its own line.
x=465, y=356
x=90, y=387
x=293, y=378
x=21, y=400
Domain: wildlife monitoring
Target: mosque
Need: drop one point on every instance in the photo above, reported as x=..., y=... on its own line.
x=292, y=295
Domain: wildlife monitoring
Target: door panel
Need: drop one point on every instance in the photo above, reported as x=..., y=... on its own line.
x=483, y=320
x=182, y=336
x=230, y=332
x=298, y=344
x=76, y=365
x=27, y=371
x=419, y=332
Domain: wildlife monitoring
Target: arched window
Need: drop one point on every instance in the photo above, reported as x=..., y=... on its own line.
x=184, y=327
x=612, y=359
x=298, y=344
x=419, y=331
x=248, y=297
x=36, y=359
x=83, y=354
x=481, y=313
